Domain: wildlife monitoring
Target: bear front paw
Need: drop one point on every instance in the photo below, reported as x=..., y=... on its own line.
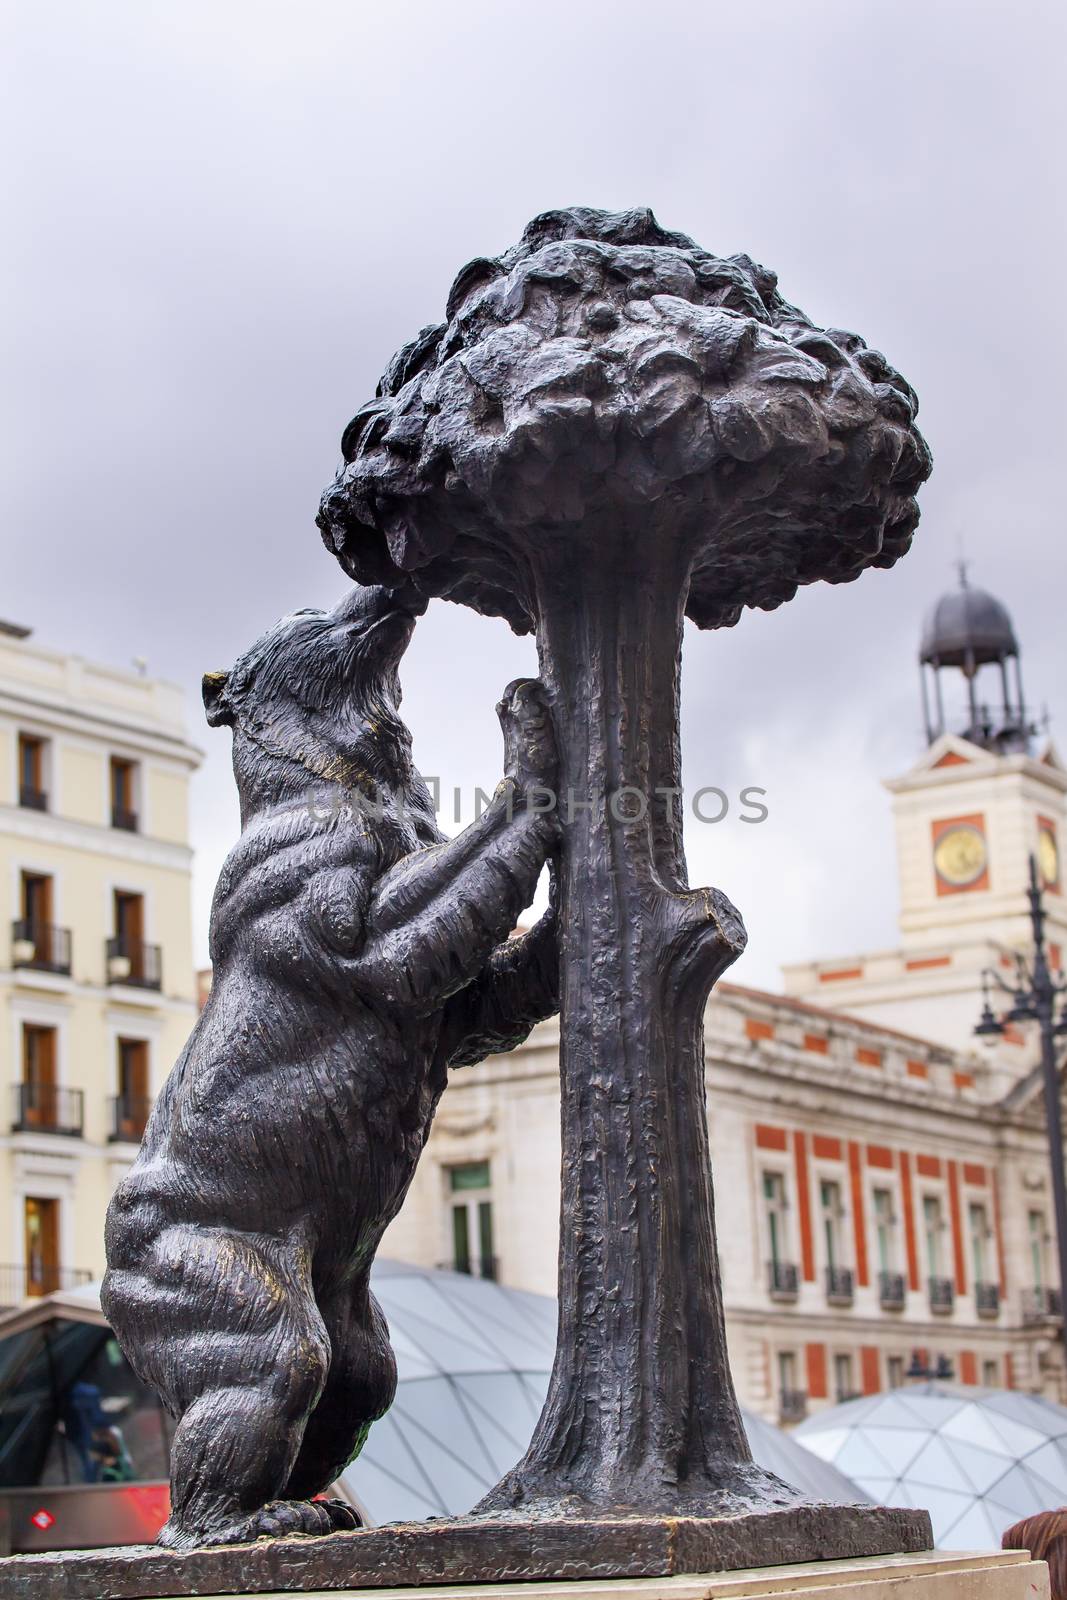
x=530, y=759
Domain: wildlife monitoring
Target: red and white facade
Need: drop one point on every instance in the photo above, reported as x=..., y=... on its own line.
x=876, y=1197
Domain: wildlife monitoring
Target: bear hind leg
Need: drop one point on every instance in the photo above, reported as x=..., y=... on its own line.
x=359, y=1389
x=242, y=1355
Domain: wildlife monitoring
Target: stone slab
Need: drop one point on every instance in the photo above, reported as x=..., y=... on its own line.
x=938, y=1575
x=472, y=1551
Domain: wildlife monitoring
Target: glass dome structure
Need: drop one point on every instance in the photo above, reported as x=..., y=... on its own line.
x=976, y=1459
x=473, y=1357
x=474, y=1360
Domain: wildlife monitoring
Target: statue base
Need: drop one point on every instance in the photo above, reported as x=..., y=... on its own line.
x=471, y=1550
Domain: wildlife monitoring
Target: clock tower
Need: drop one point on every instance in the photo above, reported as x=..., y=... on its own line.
x=980, y=801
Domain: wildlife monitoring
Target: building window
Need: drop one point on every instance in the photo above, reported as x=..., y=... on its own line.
x=839, y=1287
x=37, y=1108
x=1035, y=1224
x=792, y=1401
x=783, y=1281
x=130, y=959
x=40, y=1104
x=36, y=940
x=31, y=757
x=133, y=1102
x=978, y=1218
x=894, y=1372
x=124, y=776
x=36, y=899
x=934, y=1227
x=41, y=1224
x=775, y=1204
x=844, y=1383
x=472, y=1219
x=990, y=1375
x=885, y=1230
x=832, y=1215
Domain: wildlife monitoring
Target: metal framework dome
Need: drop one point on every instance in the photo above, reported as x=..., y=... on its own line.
x=976, y=1459
x=474, y=1360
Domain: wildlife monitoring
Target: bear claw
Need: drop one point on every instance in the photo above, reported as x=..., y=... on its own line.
x=280, y=1519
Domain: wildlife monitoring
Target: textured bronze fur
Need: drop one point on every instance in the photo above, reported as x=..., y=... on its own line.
x=356, y=957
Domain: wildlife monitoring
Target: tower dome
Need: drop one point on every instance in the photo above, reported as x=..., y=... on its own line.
x=966, y=630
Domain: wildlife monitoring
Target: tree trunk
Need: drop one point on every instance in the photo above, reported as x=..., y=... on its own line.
x=640, y=1413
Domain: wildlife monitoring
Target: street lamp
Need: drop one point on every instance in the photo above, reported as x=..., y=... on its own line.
x=1034, y=997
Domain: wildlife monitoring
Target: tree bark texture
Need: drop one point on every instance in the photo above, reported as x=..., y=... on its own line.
x=641, y=1412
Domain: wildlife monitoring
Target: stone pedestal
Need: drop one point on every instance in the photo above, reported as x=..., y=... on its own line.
x=509, y=1548
x=935, y=1575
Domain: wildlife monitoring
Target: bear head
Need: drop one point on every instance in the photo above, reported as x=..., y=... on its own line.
x=315, y=701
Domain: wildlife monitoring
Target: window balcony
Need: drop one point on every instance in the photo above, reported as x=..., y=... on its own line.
x=843, y=1396
x=487, y=1267
x=1041, y=1305
x=839, y=1290
x=44, y=1108
x=792, y=1405
x=987, y=1299
x=783, y=1280
x=942, y=1293
x=126, y=820
x=40, y=946
x=31, y=798
x=133, y=962
x=129, y=1118
x=22, y=1283
x=892, y=1291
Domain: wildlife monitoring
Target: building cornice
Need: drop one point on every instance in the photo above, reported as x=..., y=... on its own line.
x=44, y=827
x=73, y=718
x=975, y=765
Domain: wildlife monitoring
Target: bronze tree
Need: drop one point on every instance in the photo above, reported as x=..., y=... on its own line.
x=613, y=430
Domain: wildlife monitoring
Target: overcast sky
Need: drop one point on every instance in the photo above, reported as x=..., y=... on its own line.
x=224, y=217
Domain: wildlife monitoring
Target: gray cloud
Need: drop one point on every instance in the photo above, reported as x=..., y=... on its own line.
x=227, y=216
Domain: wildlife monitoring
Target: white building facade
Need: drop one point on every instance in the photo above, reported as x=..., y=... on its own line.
x=874, y=1203
x=96, y=972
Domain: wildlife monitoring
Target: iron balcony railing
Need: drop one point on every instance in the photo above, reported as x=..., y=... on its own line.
x=987, y=1299
x=40, y=945
x=135, y=962
x=843, y=1395
x=31, y=798
x=121, y=818
x=474, y=1266
x=1041, y=1305
x=892, y=1291
x=942, y=1294
x=839, y=1286
x=792, y=1405
x=783, y=1280
x=129, y=1118
x=45, y=1108
x=23, y=1283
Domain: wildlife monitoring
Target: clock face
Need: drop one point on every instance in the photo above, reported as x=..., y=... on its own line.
x=960, y=855
x=1048, y=857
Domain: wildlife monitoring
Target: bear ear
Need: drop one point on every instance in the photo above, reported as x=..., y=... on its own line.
x=218, y=708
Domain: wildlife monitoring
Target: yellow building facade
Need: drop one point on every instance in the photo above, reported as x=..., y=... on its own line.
x=97, y=984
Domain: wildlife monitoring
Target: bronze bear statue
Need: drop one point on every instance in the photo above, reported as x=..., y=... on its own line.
x=357, y=955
